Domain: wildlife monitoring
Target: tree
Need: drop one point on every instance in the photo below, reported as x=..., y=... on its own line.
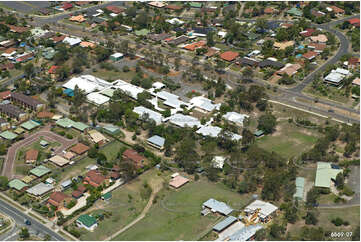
x=247, y=137
x=3, y=183
x=210, y=39
x=24, y=233
x=47, y=237
x=29, y=70
x=340, y=181
x=311, y=218
x=267, y=122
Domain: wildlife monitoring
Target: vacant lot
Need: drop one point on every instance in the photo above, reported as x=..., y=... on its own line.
x=123, y=209
x=289, y=140
x=176, y=214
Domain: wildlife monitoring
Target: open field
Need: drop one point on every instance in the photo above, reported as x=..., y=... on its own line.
x=123, y=209
x=177, y=213
x=289, y=140
x=114, y=75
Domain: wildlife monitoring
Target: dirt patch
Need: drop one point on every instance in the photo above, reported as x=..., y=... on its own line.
x=173, y=73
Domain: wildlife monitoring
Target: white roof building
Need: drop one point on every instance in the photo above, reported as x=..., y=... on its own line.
x=117, y=55
x=157, y=117
x=235, y=117
x=183, y=120
x=87, y=83
x=97, y=98
x=343, y=71
x=158, y=85
x=72, y=41
x=265, y=208
x=175, y=21
x=218, y=162
x=212, y=131
x=128, y=88
x=222, y=34
x=204, y=104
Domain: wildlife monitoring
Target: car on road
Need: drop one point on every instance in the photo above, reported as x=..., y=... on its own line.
x=27, y=222
x=331, y=111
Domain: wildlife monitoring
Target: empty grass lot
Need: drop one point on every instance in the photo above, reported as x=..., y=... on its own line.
x=289, y=140
x=123, y=209
x=112, y=75
x=176, y=214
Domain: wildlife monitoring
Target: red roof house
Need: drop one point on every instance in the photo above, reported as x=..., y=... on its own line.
x=133, y=156
x=94, y=178
x=5, y=95
x=114, y=9
x=67, y=6
x=229, y=55
x=310, y=55
x=53, y=69
x=354, y=22
x=59, y=199
x=307, y=32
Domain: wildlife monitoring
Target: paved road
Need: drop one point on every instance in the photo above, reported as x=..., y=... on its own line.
x=35, y=226
x=8, y=167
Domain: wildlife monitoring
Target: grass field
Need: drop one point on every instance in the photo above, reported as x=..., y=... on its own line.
x=122, y=208
x=114, y=75
x=176, y=215
x=289, y=140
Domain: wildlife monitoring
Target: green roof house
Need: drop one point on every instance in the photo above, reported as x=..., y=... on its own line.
x=111, y=129
x=40, y=171
x=300, y=183
x=8, y=135
x=17, y=185
x=295, y=12
x=44, y=143
x=324, y=174
x=29, y=125
x=87, y=222
x=142, y=32
x=68, y=123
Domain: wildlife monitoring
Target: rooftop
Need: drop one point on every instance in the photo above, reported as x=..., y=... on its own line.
x=217, y=206
x=40, y=171
x=40, y=189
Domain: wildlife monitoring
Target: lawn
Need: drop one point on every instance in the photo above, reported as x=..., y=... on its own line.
x=351, y=214
x=110, y=150
x=176, y=215
x=123, y=209
x=20, y=166
x=114, y=75
x=289, y=140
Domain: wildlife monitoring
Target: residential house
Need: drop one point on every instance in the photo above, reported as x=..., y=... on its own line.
x=31, y=156
x=321, y=38
x=5, y=95
x=310, y=55
x=178, y=181
x=133, y=156
x=4, y=125
x=325, y=174
x=338, y=11
x=94, y=178
x=59, y=160
x=355, y=22
x=79, y=148
x=40, y=189
x=225, y=223
x=317, y=47
x=177, y=41
x=59, y=199
x=307, y=32
x=114, y=9
x=78, y=18
x=195, y=45
x=97, y=137
x=353, y=62
x=246, y=61
x=86, y=221
x=229, y=56
x=40, y=171
x=18, y=185
x=283, y=45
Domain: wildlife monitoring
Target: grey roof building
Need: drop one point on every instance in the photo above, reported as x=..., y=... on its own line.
x=156, y=141
x=224, y=223
x=246, y=233
x=40, y=189
x=217, y=207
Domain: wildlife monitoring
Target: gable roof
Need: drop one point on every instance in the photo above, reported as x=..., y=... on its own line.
x=157, y=140
x=17, y=184
x=324, y=174
x=86, y=220
x=133, y=156
x=40, y=171
x=217, y=206
x=56, y=198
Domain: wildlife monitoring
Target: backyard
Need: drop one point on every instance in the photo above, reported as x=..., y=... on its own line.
x=177, y=213
x=125, y=205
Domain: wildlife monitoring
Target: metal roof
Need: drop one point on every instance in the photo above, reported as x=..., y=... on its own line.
x=40, y=171
x=29, y=125
x=157, y=117
x=217, y=206
x=235, y=117
x=266, y=208
x=17, y=184
x=224, y=223
x=245, y=233
x=40, y=189
x=300, y=183
x=157, y=140
x=8, y=135
x=324, y=174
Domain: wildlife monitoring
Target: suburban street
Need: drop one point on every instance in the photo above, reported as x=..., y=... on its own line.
x=287, y=94
x=19, y=217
